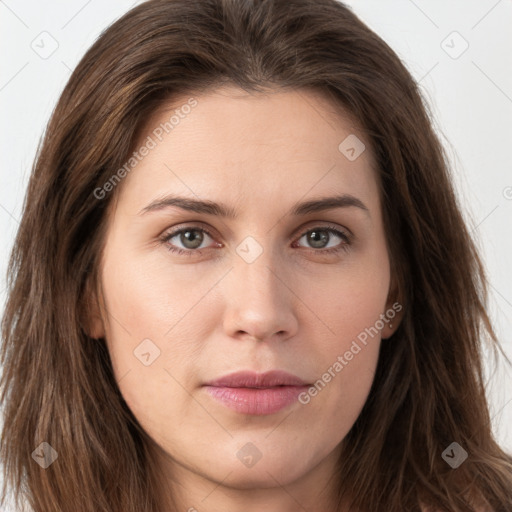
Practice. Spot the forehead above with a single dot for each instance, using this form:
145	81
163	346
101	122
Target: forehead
251	148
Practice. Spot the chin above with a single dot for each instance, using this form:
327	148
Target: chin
261	476
265	468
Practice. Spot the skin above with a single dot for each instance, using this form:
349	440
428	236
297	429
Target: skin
211	314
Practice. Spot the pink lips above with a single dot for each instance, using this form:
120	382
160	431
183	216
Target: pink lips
258	394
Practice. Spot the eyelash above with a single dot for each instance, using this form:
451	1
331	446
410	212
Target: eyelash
189	252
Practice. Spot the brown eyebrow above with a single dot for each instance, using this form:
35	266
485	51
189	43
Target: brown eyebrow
221	210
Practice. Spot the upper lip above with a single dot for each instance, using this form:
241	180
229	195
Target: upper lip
247	379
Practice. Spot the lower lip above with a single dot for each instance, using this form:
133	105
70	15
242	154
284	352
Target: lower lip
256	401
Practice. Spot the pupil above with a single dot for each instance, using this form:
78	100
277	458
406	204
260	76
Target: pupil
314	238
188	237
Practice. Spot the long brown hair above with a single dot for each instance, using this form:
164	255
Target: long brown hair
57	383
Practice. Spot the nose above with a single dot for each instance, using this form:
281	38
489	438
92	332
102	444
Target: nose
260	302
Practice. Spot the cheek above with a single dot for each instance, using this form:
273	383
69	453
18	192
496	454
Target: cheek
350	300
146	298
157	325
343	383
350	303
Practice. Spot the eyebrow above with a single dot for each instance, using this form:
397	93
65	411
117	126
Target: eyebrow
221	210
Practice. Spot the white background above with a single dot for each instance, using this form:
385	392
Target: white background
470	96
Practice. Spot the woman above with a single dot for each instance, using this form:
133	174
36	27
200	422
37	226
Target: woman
242	279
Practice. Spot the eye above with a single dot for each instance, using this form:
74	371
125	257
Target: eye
192	238
320	236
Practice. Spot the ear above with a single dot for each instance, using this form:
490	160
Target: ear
90	312
394	311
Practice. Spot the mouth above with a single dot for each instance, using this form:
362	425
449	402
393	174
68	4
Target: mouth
256	394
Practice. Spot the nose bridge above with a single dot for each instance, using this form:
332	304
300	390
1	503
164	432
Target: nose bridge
258	301
255	269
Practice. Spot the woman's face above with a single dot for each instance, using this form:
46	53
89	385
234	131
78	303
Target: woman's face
256	291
